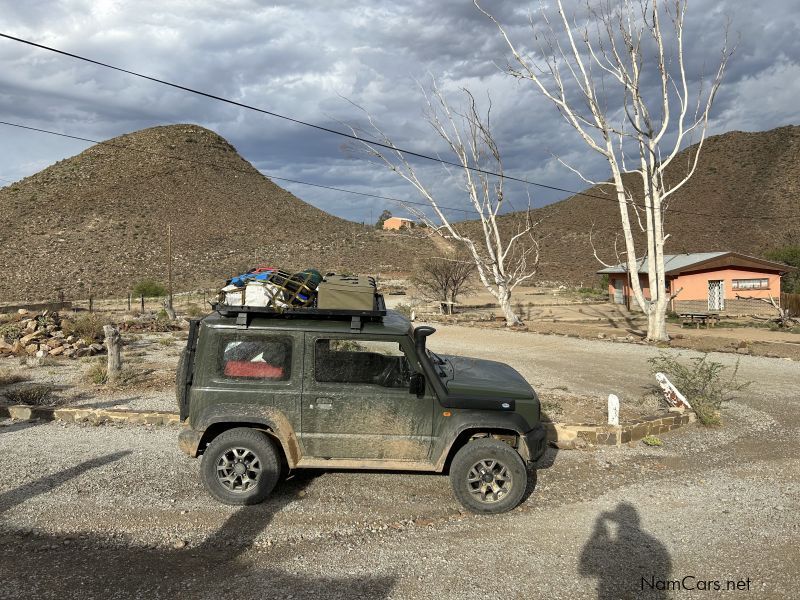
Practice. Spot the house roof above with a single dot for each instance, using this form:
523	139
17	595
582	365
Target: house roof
675	264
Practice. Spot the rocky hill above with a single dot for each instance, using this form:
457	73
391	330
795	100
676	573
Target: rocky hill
748	182
98	221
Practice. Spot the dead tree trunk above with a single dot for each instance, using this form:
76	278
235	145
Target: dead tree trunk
114	348
168	308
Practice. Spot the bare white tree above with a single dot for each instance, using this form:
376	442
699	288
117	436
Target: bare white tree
618	77
503	259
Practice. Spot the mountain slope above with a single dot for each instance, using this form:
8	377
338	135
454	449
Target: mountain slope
98	221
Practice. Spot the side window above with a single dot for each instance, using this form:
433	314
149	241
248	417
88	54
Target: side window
267	358
361	361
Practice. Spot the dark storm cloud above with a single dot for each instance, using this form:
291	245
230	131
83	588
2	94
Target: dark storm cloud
303	58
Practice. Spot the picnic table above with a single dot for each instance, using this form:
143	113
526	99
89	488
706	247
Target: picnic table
697	319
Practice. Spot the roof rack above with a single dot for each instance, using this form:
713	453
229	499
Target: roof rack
356	316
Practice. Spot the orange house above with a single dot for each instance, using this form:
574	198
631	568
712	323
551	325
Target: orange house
398	223
720	282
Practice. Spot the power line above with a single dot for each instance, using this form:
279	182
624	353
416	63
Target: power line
230	167
299	121
354	137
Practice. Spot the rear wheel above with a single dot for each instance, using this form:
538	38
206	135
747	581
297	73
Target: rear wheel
240	466
488	477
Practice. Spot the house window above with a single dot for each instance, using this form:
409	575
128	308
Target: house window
751	284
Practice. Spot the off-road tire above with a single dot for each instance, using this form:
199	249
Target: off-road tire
227	445
483	451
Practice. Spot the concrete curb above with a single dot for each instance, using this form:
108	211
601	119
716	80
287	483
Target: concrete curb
567	436
22	412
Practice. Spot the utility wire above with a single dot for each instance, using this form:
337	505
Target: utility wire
355	137
333	188
230	167
307	124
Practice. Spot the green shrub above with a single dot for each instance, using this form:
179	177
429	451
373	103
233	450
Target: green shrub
404	309
165	341
32	395
10	332
88	327
193	311
651	440
149	288
702	382
97	373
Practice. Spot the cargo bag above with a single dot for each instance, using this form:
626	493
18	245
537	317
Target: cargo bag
274	289
338	292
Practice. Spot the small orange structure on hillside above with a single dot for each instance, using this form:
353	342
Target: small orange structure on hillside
398	223
706	282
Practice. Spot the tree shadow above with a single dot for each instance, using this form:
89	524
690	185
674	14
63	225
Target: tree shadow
224	565
626	561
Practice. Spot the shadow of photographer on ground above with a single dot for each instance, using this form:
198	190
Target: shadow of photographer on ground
623	558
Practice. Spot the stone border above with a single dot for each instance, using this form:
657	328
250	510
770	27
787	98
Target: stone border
23	412
565	436
562	435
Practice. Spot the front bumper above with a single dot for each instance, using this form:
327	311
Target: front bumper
189	440
534	443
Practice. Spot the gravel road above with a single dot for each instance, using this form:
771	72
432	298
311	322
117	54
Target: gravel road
118	512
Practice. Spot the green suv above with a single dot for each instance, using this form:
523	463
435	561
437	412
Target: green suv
262	394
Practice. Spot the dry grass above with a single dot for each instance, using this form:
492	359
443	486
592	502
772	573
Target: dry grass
8	377
33	395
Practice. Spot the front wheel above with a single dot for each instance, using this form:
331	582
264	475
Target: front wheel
240	466
488	477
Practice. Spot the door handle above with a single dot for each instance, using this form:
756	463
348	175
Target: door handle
323	404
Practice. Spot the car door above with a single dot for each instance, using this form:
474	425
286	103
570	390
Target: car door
246	371
356	401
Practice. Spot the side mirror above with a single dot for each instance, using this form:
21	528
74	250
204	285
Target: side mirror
416	384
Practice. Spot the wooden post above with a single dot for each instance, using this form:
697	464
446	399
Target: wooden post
114	348
142	303
91	303
129	302
169	268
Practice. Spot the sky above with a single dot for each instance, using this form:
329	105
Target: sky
318	62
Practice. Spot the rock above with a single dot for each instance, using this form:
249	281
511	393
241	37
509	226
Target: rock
179	544
18	347
68	352
97	347
5	347
40	353
32	349
55	342
742	351
30	325
45	347
79	343
70	339
81	352
27	339
56	351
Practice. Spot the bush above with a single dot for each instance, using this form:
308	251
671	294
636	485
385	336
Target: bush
10	332
702	382
404	309
193	311
87	327
97	373
32	395
149	288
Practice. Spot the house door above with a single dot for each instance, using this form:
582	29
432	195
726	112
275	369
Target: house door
716	295
618	291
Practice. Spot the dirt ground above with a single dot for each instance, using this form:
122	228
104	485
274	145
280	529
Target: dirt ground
117	511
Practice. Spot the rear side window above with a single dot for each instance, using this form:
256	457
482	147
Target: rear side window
264	358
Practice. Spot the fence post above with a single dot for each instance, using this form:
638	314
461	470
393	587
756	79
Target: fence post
129	302
142	302
91	303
